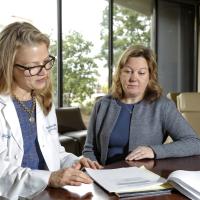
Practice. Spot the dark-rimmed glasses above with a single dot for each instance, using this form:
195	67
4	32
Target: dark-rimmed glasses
35	70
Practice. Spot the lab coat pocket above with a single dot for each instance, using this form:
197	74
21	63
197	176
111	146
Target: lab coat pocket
4	141
51	129
52	135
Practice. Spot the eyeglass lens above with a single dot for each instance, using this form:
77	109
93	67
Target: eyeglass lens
37	69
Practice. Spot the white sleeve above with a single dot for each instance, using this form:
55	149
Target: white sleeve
16	181
67	159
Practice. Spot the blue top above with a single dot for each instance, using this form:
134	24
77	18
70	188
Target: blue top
33	157
118	143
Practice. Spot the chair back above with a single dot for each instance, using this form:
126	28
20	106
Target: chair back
69	119
173	96
188	104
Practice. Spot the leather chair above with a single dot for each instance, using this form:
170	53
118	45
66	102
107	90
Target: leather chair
71	126
189	105
172	96
71	145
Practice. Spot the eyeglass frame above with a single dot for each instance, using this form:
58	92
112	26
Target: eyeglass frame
52	58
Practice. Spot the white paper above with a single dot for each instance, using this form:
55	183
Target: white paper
126	179
187	182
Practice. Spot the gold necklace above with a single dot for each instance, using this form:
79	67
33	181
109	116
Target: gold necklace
29	111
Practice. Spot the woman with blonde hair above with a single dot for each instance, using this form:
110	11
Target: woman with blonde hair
133	122
31	157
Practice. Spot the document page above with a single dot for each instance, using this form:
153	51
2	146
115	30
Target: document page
131	179
187	182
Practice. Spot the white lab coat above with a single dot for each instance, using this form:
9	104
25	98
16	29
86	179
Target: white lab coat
17	181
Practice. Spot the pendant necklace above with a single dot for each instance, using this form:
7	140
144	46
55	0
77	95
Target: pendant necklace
26	109
129	110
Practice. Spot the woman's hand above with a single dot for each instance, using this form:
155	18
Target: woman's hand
68	176
140	152
148	163
86	162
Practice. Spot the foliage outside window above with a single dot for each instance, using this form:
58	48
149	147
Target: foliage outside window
79	69
81	66
129	28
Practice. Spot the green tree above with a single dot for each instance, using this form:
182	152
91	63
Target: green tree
79	69
129	28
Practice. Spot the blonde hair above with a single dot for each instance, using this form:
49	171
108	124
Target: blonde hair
153	90
14	36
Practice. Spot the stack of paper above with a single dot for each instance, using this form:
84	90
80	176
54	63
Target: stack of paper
131	181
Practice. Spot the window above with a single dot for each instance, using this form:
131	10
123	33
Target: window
85	72
131	24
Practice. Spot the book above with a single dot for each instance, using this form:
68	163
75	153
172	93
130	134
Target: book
186	182
130	182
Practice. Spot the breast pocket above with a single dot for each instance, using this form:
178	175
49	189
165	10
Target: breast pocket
5	138
51	129
52	135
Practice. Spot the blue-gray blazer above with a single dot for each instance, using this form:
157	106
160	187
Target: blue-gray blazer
151	123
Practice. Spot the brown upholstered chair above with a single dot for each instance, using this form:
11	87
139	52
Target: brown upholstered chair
71	125
172	96
188	104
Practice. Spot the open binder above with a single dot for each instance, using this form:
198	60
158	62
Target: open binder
186	182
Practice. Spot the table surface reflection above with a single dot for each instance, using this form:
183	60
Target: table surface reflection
162	167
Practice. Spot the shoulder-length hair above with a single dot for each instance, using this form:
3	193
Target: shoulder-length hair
14	36
153	90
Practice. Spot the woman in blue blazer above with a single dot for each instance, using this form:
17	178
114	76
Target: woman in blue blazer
133	122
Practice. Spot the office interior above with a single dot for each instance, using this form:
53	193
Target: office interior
169	27
174	36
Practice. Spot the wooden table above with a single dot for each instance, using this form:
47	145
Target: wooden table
162	167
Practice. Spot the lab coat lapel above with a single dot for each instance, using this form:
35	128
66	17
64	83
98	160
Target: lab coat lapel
11	118
48	151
